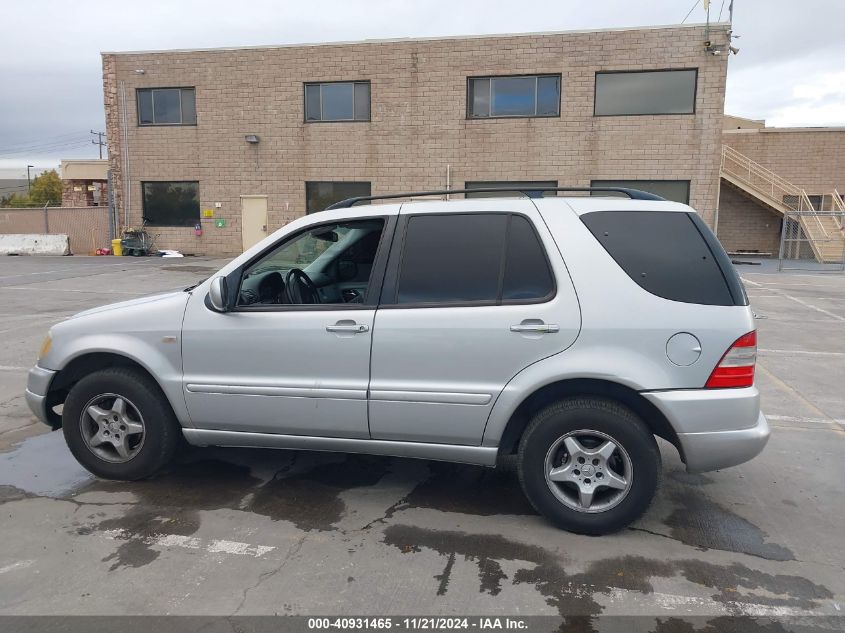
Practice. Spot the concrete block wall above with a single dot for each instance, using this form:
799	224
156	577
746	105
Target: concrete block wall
418	126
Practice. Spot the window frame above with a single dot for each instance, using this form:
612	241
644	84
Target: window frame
305	85
647	70
633	180
170	182
390	287
355	182
152	90
374	287
471	78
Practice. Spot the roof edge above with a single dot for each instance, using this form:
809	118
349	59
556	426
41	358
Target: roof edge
416	39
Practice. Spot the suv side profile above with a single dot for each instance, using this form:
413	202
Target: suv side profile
569	331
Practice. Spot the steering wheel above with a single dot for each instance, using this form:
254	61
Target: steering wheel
299	287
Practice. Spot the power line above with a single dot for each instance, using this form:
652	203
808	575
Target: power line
691	10
18	150
719	19
55	139
47	150
101	142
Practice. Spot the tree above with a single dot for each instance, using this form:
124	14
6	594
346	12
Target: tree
46	189
15	200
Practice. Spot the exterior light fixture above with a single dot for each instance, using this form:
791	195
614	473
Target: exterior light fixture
140	71
251	138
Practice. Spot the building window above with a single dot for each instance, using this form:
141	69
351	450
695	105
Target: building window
675	190
514	96
167	106
516	184
794	202
337	101
319	195
171	203
645	92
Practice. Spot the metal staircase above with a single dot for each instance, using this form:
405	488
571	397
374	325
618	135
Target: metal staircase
821	228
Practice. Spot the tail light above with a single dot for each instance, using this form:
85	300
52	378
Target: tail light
736	369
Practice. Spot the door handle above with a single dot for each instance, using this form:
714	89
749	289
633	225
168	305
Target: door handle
352	328
537	328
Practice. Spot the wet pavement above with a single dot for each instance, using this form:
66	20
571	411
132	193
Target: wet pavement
239	531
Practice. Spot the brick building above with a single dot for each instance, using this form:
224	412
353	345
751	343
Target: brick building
84	183
243	140
764	172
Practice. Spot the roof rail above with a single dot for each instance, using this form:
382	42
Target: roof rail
531	192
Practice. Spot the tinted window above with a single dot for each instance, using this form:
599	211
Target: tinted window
652	92
452	258
337	101
664	253
527	274
171	203
167	106
319	195
517	184
675	190
525	95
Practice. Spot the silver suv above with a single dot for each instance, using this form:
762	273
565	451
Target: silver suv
569	331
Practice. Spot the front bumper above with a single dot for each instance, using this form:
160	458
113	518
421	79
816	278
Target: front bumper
716	428
37	388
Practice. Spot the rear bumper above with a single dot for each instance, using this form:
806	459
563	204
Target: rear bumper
716	428
37	387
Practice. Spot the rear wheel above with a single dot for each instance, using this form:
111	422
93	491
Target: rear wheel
119	425
589	465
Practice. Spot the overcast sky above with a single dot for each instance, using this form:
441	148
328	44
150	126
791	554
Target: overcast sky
790	70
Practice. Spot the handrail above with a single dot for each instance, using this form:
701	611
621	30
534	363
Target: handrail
751	172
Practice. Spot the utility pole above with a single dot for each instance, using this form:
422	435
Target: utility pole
28	179
99	141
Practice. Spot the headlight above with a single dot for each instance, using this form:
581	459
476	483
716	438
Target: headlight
45	346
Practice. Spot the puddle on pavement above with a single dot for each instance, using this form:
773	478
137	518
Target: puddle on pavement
43	466
700	522
576	594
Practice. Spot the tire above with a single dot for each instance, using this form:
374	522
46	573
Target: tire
591	422
144	404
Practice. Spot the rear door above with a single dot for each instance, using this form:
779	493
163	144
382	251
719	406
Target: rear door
470	299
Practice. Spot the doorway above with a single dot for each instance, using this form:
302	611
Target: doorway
253	219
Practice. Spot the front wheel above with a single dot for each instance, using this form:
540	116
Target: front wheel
119	425
589	465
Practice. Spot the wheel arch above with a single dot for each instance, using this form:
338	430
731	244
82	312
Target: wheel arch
85	364
657	423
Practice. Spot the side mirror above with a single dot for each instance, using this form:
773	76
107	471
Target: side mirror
218	295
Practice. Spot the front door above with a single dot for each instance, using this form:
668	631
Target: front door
253	219
293	356
470	301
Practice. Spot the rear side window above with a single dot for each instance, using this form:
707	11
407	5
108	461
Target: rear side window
668	255
484	258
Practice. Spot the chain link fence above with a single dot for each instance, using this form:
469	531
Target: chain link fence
87	228
812	240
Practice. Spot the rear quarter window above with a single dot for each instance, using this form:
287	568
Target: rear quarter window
669	254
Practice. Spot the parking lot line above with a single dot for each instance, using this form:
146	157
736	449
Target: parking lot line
801	301
799	351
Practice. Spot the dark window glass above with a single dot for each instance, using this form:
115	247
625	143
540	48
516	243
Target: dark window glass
664	253
452	258
319	195
521	96
171	203
527	274
167	106
652	92
675	190
484	184
337	101
795	202
145	107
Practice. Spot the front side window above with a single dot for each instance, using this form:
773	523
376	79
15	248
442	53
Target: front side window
171	203
321	194
485	258
645	92
329	264
675	190
167	106
516	184
517	96
337	101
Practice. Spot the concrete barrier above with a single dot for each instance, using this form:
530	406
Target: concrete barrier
34	244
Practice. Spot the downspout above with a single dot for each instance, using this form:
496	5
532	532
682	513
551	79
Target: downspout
448	179
127	189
